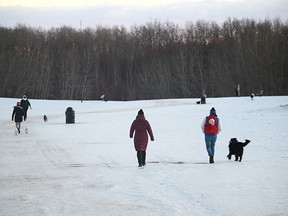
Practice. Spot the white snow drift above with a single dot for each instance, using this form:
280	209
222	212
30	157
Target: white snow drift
90	167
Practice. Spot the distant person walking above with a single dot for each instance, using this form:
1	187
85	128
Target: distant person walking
25	104
211	127
104	97
141	126
17	116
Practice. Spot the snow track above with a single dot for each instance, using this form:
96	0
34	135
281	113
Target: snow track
90	167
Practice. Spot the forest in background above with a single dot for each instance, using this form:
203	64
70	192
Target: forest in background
153	61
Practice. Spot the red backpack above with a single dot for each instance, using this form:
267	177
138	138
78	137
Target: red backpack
211	125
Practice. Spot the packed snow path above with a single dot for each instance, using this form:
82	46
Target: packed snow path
90	167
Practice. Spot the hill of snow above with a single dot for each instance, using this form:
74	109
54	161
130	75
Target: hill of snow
90	167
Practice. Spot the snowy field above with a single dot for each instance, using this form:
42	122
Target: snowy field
90	167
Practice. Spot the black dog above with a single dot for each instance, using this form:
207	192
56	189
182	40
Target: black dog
236	148
45	118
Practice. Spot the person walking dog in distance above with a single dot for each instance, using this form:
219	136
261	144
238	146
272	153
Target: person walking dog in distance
141	126
211	127
17	116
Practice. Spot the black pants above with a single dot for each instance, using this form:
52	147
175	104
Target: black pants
25	113
18	125
141	155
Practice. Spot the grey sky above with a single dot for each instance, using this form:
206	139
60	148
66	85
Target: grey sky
178	12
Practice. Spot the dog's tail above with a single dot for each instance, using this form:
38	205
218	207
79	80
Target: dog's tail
246	142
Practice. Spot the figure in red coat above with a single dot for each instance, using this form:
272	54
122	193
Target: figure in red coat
141	126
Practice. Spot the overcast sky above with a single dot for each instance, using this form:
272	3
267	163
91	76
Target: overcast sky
90	13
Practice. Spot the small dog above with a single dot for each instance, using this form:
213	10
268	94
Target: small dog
45	118
236	148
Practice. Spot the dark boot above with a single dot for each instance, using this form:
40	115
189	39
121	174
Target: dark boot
143	158
139	157
211	158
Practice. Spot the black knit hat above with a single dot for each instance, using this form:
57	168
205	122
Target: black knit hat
140	112
213	111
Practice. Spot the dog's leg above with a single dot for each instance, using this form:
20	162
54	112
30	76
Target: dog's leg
241	154
236	157
230	154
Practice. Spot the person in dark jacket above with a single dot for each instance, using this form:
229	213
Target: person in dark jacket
25	104
211	127
17	115
141	126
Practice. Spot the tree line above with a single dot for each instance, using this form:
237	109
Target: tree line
151	61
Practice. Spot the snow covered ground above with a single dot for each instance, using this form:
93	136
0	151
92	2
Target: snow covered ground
90	167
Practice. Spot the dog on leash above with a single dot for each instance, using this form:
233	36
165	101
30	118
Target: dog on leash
237	148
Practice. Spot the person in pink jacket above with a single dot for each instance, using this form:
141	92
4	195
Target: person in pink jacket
141	126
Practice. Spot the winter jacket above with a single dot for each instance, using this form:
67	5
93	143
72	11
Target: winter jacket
25	104
141	126
17	114
204	123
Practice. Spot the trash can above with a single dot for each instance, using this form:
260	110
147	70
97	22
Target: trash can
203	100
70	115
